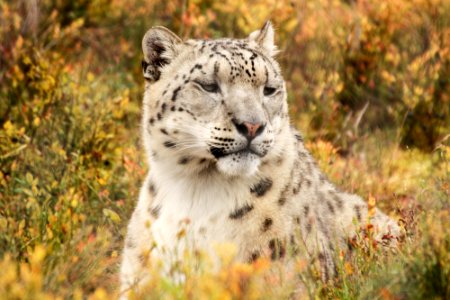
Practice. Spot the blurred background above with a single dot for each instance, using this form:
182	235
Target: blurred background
368	82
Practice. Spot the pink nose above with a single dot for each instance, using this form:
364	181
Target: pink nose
252	129
247	129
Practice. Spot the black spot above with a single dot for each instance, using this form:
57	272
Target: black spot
254	256
321	256
164	131
283	195
277	249
175	93
309	226
241	212
216	67
151	121
152	189
143	259
306	210
302	155
267	224
294	246
299	137
338	200
324	265
169	144
262	187
358	212
163	107
197	66
159	116
184	160
217	152
330	246
330	207
154	211
144	65
323	227
129	243
202	160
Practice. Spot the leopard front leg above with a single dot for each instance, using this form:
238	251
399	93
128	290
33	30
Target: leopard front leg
138	243
356	218
317	240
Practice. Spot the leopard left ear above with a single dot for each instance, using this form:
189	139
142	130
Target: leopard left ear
159	46
265	38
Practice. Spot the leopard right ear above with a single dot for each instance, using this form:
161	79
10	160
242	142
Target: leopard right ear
265	38
160	48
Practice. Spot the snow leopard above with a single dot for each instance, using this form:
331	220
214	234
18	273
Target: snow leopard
226	166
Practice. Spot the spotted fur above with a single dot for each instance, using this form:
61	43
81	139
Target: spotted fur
225	164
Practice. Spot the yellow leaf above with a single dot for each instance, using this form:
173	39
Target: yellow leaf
99	294
19	42
9	127
38	255
101	181
372	202
90	77
111	215
27	60
29	177
36	121
348	268
290	25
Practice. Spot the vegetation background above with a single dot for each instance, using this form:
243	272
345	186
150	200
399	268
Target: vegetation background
369	86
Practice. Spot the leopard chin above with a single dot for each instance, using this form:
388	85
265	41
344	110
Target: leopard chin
239	164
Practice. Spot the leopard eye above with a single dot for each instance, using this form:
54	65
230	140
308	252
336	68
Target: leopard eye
209	87
269	91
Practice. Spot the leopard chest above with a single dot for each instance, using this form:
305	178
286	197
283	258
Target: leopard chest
245	214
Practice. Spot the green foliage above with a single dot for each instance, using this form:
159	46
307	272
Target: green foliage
71	161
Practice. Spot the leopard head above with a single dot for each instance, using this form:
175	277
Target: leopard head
221	102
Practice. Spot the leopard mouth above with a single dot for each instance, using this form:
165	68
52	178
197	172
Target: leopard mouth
219	153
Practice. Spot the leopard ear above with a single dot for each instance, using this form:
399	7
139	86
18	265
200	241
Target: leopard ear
160	48
265	38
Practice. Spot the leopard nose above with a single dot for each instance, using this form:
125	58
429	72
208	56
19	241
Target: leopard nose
249	130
